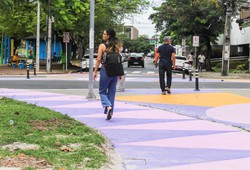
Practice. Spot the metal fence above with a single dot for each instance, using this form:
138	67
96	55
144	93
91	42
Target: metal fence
238	58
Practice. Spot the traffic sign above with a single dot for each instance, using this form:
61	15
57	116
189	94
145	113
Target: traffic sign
66	37
153	41
183	42
196	41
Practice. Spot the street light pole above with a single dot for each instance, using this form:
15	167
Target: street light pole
38	38
91	94
227	35
49	45
48	63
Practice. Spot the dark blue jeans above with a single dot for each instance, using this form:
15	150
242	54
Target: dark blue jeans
107	88
165	68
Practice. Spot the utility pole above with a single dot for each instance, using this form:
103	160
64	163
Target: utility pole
91	94
49	45
37	62
227	34
48	64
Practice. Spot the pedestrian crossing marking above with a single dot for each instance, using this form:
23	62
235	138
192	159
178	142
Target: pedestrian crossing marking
136	72
141	72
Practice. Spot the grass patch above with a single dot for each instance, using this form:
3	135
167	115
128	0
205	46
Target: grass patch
62	141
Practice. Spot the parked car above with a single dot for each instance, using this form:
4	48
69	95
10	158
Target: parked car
85	62
181	61
124	57
136	59
151	55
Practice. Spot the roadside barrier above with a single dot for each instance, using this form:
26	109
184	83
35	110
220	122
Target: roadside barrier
28	71
183	71
34	68
197	80
190	73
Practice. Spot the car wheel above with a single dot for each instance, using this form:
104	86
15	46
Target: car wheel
142	66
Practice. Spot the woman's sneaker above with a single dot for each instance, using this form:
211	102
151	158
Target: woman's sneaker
109	113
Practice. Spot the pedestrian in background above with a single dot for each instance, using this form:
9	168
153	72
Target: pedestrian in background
14	58
190	59
120	84
107	85
201	59
121	79
166	54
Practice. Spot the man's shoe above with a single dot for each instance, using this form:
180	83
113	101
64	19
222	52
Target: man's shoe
163	93
120	90
168	90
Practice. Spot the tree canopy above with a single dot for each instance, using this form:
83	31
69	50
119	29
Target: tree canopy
186	18
18	17
139	45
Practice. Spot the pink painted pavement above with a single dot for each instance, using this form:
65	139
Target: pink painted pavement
154	139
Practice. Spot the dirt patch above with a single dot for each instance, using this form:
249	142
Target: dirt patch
22	146
22	161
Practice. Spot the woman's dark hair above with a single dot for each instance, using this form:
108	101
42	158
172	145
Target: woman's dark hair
113	43
111	32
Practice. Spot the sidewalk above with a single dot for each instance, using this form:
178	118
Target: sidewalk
7	70
151	131
216	75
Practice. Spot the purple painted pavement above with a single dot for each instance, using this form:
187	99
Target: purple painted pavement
150	138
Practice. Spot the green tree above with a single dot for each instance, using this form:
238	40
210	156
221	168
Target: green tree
186	18
69	15
139	45
18	20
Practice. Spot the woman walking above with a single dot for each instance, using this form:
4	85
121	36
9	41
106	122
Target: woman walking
107	84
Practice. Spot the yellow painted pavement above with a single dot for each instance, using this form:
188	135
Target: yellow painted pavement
194	99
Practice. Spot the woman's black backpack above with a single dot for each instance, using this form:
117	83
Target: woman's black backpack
113	64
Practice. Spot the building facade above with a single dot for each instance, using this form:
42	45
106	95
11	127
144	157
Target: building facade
131	32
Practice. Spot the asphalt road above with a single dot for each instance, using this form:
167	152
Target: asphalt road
137	78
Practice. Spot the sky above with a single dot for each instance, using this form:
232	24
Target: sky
141	21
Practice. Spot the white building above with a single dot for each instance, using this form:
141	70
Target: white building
239	37
131	32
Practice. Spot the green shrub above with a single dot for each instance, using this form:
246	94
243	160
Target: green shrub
218	65
235	64
241	67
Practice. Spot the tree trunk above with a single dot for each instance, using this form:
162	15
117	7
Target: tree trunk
208	56
68	55
80	49
74	49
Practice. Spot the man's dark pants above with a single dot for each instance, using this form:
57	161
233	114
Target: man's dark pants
165	68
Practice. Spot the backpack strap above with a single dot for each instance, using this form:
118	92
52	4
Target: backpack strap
103	59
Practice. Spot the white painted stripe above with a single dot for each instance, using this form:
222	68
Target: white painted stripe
136	72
